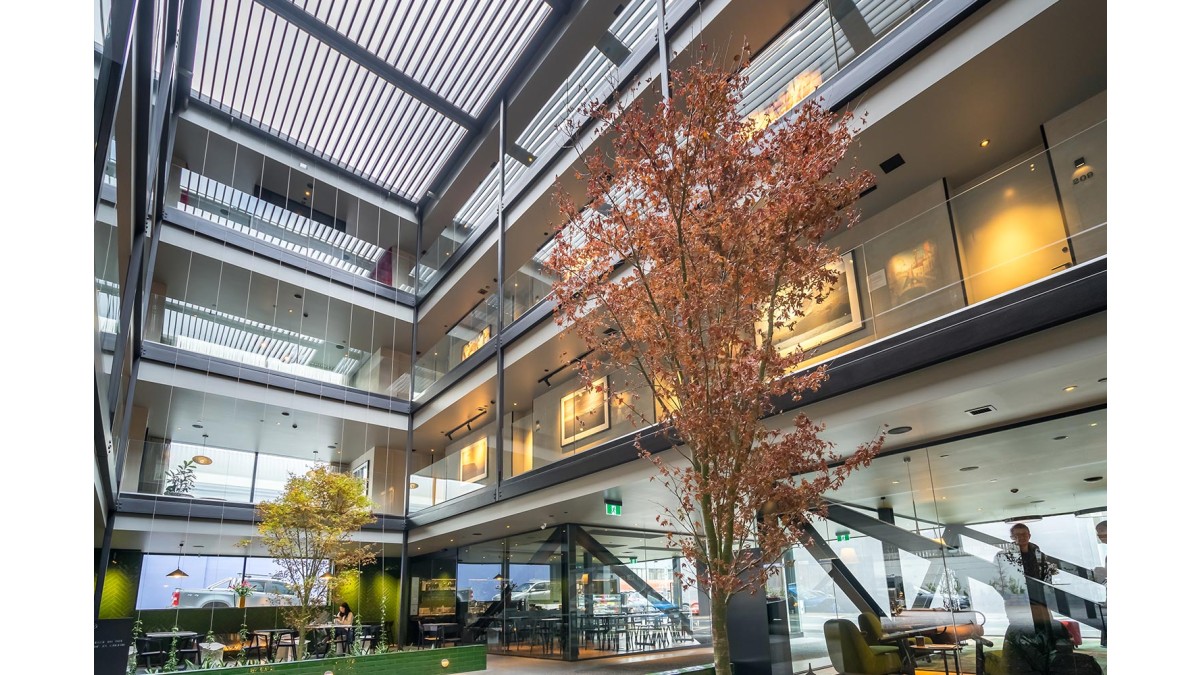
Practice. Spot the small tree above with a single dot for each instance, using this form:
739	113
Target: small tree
307	529
718	220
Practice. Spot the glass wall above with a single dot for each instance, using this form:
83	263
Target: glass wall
563	592
931	541
220	310
268	201
454	449
472	332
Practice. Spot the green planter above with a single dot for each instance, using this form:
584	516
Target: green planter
421	662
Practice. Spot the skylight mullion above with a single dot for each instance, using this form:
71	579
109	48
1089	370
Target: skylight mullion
255	72
391	54
239	46
346	113
419	28
322	87
448	61
434	158
378	113
377	146
220	52
383	35
413	121
291	90
342	108
411	171
367	107
430	44
307	97
272	52
485	73
205	39
381	162
468	59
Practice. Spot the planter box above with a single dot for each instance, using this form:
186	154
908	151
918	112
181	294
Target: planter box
462	660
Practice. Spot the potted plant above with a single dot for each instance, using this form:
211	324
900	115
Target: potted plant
242	590
181	479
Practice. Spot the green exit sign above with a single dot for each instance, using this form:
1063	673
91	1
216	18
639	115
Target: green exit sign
612	508
843	535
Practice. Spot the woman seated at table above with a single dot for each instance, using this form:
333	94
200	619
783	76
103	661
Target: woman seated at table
344	617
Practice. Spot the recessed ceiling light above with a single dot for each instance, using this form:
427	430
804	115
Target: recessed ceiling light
197	426
1037	501
413	486
943	456
896	431
285	413
1061	438
1093	479
985	142
968	468
1070	388
1093	424
895	482
303	165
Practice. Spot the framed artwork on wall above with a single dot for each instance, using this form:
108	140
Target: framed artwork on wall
472	461
584	412
840	313
363	473
479	341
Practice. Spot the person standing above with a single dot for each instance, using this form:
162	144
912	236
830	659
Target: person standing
1101	574
1029	642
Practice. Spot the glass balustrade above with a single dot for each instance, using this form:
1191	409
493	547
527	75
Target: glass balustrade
465	338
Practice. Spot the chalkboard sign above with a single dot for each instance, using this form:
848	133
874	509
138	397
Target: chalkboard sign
111	649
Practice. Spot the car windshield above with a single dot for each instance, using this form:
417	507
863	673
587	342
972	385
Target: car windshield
225	583
524	587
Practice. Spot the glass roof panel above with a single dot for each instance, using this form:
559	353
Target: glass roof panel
461	50
254	65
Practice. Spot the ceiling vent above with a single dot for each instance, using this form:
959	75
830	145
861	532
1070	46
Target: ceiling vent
892	163
868	191
981	410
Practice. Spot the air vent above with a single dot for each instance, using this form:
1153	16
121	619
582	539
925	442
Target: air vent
868	191
892	163
981	410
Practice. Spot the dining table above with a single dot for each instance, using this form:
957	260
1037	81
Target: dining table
273	636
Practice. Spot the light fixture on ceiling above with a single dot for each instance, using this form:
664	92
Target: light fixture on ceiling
203	459
1070	388
1093	479
968	468
1023	519
1079	162
896	431
413	486
178	573
985	142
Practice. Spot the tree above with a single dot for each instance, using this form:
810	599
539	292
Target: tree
307	530
714	222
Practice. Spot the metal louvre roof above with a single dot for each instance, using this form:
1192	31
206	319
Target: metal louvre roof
385	90
460	49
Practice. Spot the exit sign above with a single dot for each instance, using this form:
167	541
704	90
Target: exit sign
843	535
612	508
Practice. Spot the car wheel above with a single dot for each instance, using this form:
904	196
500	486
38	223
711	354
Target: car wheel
214	605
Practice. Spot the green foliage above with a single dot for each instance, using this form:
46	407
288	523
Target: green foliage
181	479
307	529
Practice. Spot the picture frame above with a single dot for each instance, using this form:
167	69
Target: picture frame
473	461
839	314
480	340
363	472
584	412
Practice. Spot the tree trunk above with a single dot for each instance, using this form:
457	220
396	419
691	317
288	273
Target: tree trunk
720	636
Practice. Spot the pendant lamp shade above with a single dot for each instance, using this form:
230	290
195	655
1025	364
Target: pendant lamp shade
178	573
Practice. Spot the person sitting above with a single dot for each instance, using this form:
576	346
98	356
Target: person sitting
344	636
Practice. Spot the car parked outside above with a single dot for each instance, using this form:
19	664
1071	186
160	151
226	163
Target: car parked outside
267	592
812	599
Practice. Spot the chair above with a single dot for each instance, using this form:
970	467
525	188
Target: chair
150	652
431	636
872	630
287	646
187	649
258	646
370	638
850	653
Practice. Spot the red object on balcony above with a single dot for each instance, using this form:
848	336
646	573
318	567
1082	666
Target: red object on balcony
383	268
175	598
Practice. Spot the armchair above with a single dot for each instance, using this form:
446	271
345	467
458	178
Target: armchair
850	653
872	630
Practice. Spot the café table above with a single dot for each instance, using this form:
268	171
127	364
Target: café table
274	635
434	633
185	644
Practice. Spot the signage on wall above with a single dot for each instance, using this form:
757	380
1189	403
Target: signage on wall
612	508
843	535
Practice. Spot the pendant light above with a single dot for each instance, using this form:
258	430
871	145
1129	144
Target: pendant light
203	459
178	573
